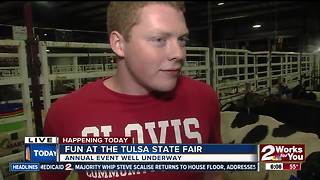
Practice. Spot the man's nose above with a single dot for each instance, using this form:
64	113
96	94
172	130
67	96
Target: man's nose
176	52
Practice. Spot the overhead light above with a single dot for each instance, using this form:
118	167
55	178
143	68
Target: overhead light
316	50
257	26
220	3
43	3
48	50
45	34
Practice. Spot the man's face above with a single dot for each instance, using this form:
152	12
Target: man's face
156	50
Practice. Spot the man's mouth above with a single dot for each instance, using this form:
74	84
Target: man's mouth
173	71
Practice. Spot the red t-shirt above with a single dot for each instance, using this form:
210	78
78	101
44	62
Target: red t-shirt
188	114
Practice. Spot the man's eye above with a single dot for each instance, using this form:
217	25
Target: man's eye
159	41
183	41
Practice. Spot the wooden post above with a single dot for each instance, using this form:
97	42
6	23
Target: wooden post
34	65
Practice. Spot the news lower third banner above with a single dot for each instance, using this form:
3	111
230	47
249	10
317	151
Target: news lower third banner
48	154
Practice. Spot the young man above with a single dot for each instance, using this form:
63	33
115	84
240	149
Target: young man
147	98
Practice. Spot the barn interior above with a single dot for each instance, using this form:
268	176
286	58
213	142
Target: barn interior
261	57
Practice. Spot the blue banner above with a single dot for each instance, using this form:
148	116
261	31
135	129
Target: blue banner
157	149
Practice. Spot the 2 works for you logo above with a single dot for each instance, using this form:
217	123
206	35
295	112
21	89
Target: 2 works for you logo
282	152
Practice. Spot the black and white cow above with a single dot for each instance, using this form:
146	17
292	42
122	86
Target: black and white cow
240	127
297	92
279	121
300	92
297	115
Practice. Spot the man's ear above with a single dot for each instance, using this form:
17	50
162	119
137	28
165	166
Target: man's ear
117	43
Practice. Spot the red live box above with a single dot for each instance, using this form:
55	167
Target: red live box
282	152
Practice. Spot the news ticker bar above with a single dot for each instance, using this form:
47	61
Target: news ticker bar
283	166
144	166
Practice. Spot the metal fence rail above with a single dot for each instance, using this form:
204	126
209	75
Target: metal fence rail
67	66
236	71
